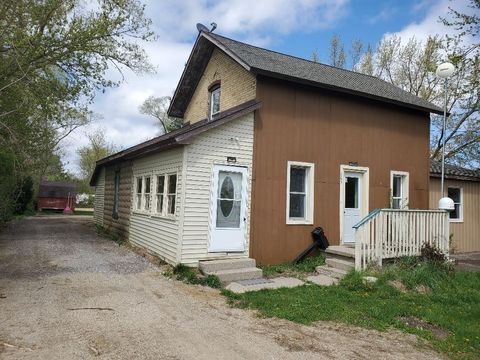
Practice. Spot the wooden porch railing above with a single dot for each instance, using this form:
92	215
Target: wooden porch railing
388	233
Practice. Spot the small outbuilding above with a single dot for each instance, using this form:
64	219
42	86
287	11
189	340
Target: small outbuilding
55	195
463	187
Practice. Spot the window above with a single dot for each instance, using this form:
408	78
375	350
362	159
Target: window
172	193
160	193
165	194
214	100
399	190
300	193
146	194
116	194
455	194
138	194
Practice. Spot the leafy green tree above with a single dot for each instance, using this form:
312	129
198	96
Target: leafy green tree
54	57
97	148
157	107
338	57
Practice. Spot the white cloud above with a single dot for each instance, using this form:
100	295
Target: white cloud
430	24
253	21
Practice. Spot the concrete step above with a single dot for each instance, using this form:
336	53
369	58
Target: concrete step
323	280
330	271
230	275
340	251
227	264
346	265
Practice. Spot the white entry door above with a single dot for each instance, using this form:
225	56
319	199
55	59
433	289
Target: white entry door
229	210
352	204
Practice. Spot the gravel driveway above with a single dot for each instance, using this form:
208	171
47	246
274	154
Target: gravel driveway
66	293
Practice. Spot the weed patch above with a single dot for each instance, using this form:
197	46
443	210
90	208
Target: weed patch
308	265
192	276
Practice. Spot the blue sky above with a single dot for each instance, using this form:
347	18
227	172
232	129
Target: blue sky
295	27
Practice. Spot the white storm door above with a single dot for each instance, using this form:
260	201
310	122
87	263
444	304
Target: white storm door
352	204
229	207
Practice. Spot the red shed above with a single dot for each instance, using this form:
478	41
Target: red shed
56	195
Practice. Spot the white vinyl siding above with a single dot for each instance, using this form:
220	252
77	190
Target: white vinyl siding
99	198
234	139
150	230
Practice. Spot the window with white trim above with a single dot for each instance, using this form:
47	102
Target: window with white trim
160	193
146	193
138	193
172	193
300	192
165	194
214	100
399	189
456	194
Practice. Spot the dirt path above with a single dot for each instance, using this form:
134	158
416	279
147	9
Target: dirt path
65	293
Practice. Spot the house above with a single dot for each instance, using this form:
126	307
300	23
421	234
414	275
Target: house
272	147
463	187
56	195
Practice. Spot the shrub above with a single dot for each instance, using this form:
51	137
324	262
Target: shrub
23	195
432	253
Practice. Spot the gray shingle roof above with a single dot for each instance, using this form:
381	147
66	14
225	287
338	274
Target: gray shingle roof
296	69
454	172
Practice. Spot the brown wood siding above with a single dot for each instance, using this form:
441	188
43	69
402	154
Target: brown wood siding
466	234
298	123
120	225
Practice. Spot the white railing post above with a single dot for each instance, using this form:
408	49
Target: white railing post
358	254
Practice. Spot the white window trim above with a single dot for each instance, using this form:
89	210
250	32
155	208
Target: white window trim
309	196
136	193
164	213
460	218
405	188
144	194
155	212
216	89
152	212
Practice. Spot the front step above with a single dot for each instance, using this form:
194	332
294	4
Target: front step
230	275
340	251
341	264
227	264
230	270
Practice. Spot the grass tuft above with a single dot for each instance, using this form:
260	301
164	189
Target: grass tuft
308	265
192	276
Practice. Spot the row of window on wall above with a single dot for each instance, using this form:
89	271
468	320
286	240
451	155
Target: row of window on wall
300	193
156	194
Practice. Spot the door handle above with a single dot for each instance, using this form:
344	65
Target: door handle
244	219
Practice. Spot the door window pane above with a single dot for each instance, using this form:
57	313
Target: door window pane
229	199
397	186
351	192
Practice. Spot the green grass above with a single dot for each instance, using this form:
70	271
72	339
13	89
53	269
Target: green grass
308	265
452	306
